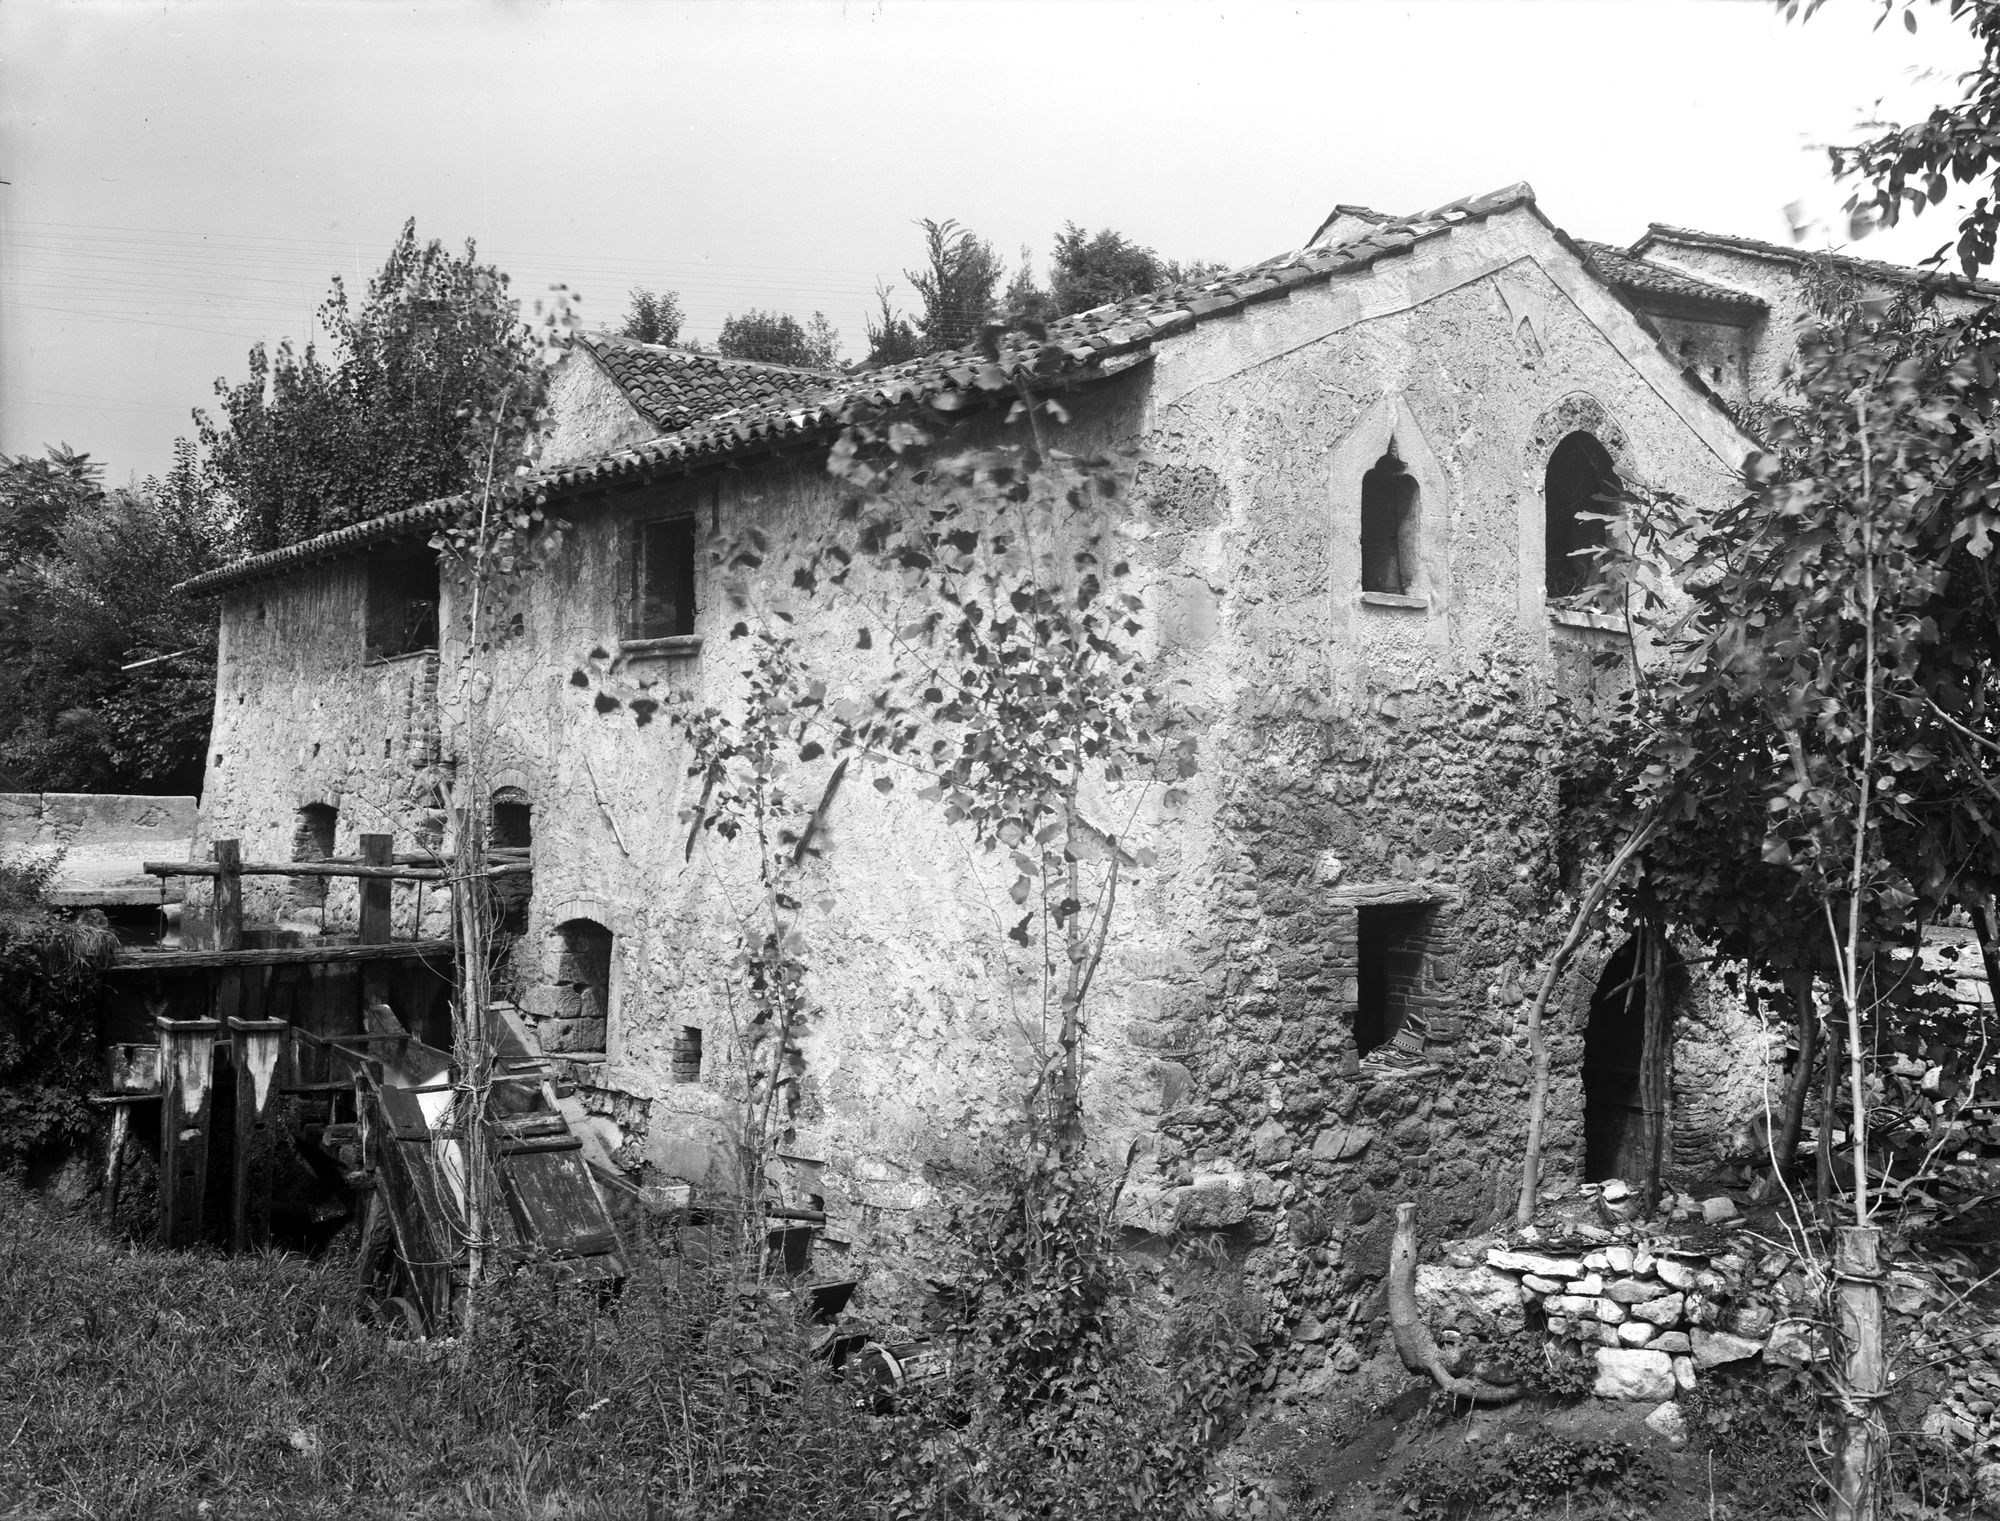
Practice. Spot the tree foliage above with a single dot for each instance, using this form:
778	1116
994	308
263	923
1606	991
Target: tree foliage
654	317
957	282
49	969
1907	169
390	416
892	337
86	579
779	338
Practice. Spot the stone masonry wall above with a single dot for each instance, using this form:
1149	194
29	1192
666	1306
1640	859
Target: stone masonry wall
1354	753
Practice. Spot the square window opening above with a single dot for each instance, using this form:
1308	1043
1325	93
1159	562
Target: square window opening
663	576
1393	942
687	1055
402	607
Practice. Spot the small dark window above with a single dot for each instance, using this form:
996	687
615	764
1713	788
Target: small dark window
663	594
1388	527
1580	481
513	831
312	840
687	1055
1392	976
402	607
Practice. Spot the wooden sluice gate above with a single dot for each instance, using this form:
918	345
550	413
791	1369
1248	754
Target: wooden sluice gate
242	1066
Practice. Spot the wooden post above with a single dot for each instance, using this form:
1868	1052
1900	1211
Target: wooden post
114	1160
229	895
257	1046
1857	1271
187	1067
375	851
1656	1065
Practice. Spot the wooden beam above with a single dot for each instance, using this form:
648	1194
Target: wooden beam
322	869
229	895
375	902
187	1070
136	959
258	1049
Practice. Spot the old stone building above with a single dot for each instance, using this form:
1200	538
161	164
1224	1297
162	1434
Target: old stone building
1366	464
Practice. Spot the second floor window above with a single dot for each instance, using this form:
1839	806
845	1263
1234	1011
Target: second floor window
663	574
402	607
1389	527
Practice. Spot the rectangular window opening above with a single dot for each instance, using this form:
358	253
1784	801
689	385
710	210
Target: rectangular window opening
687	1055
663	590
1394	982
402	607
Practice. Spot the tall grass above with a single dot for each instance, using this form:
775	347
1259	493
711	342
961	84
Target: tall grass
135	1383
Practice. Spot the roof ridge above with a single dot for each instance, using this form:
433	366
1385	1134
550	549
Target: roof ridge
685	355
1908	274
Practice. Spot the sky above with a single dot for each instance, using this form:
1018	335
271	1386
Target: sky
184	178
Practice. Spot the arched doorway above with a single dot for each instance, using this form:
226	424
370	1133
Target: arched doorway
1617	1131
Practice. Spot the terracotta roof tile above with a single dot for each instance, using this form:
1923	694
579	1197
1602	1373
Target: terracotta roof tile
672	387
1642	279
1078	347
1867	269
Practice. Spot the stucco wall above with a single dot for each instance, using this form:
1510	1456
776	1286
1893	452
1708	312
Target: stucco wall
1352	752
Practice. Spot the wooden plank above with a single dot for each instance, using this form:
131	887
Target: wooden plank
375	900
383	872
114	1159
187	1070
140	960
553	1204
229	895
257	1047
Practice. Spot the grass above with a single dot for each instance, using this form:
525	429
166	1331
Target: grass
147	1384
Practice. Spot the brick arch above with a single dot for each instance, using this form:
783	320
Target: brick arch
520	781
613	916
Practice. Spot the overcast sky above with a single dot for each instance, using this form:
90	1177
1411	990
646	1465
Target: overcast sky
185	177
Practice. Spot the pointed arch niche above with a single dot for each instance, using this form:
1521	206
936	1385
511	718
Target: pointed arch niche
1389	509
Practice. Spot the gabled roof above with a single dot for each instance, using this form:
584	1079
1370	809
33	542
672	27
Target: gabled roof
1659	285
1087	346
671	388
1864	269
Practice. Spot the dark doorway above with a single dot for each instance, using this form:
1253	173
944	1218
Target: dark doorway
1617	1132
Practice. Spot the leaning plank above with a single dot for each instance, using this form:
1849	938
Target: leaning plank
293	955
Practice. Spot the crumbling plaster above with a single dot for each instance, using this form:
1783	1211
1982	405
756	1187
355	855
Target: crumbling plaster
1347	749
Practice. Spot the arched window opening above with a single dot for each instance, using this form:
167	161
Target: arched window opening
312	840
1580	481
1389	527
510	839
583	988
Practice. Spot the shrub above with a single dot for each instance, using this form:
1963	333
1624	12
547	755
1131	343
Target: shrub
49	969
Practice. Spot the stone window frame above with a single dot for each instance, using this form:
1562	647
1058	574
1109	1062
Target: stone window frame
1576	412
1389	427
640	638
1348	900
620	921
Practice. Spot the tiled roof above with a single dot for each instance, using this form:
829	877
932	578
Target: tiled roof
1643	280
671	387
1077	348
1865	269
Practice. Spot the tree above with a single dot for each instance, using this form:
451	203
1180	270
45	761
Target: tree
777	338
307	444
957	283
1087	272
654	317
86	578
894	338
1912	168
